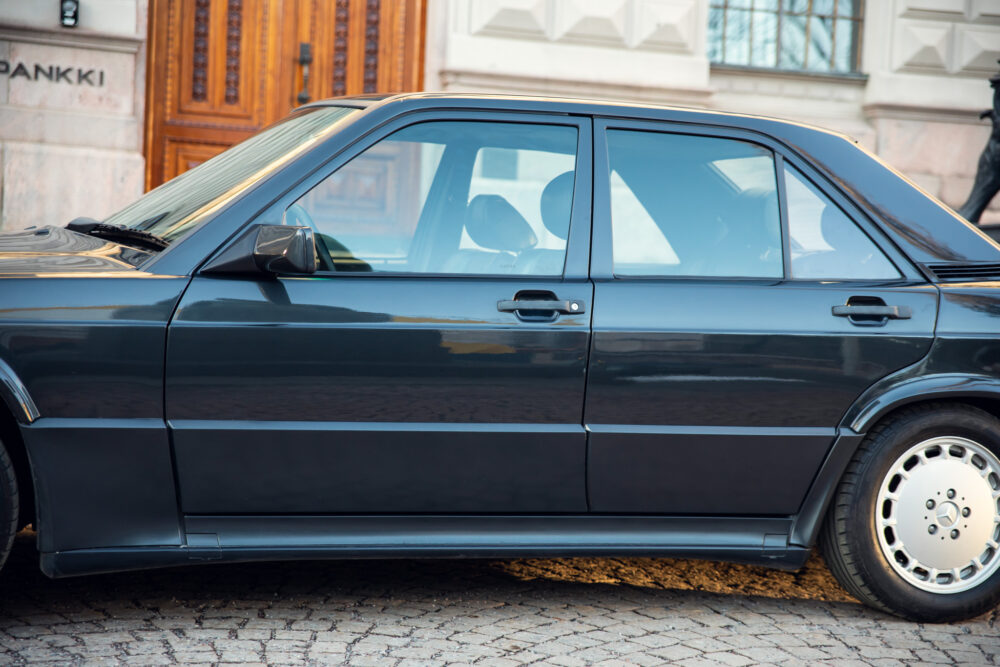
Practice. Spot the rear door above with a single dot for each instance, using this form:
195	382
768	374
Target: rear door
436	361
740	307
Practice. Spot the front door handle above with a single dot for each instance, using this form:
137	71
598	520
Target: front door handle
567	307
888	312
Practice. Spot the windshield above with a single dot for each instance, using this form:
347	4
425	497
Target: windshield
176	207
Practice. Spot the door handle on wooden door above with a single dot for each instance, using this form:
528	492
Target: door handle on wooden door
305	59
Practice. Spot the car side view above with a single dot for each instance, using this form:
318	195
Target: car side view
484	326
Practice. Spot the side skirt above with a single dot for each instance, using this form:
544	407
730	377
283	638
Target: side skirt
262	538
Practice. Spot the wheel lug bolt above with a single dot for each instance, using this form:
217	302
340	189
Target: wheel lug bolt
966	511
932	529
954	534
930	504
951	493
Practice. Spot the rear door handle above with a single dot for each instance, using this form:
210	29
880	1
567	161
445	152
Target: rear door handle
567	307
889	312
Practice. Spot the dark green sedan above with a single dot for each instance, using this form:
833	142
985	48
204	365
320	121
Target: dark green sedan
473	326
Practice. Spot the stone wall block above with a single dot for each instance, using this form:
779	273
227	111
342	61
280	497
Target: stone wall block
984	10
75	79
623	49
525	19
665	24
922	45
596	22
978	49
942	149
51	185
113	17
955	190
940	8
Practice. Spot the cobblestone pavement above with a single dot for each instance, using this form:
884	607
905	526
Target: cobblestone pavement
412	612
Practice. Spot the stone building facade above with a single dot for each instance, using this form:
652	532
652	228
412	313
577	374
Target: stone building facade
908	79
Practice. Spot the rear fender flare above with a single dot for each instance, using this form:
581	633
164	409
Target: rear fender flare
869	409
872	406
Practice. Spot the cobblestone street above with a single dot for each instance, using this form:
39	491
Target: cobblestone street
411	612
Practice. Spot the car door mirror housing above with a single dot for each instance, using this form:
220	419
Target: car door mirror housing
268	249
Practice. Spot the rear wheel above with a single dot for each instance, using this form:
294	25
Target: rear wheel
9	507
914	528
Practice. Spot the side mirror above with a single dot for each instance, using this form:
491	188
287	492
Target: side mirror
270	249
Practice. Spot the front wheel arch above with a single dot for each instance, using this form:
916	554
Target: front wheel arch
10	436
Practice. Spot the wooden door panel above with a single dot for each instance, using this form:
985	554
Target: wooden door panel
214	74
219	70
184	155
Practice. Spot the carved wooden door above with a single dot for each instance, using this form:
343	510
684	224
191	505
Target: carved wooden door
219	70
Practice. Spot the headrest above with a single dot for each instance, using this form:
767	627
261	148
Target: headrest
557	201
760	208
838	231
493	223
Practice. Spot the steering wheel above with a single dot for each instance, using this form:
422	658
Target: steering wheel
297	215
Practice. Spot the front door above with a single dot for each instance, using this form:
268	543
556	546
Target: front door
738	312
436	361
219	70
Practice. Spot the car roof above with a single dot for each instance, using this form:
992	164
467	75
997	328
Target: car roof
571	105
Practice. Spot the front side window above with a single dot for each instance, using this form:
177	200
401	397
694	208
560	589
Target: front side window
684	205
825	243
448	197
813	35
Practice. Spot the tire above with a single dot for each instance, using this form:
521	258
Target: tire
9	506
916	500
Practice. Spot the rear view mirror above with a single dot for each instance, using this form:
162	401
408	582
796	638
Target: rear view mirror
270	249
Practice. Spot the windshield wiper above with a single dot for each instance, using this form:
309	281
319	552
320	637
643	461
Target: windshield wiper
135	237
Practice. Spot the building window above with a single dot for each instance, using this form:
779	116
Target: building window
812	35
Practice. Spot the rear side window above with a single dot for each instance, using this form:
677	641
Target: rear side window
684	205
825	243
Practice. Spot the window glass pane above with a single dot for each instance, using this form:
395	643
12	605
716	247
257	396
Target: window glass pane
822	7
793	42
847	7
451	198
765	40
715	40
737	36
843	56
692	206
820	44
825	243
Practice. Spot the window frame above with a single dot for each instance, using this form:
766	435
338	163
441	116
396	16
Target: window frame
577	259
602	255
857	20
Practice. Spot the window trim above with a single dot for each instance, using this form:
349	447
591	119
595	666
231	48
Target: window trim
602	254
577	243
